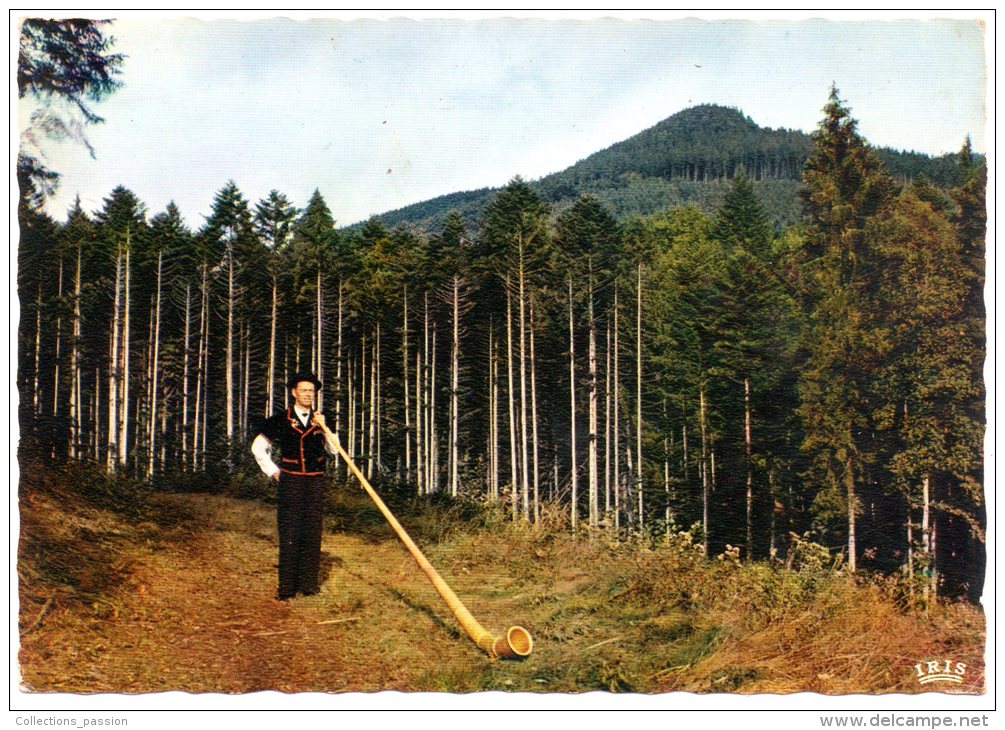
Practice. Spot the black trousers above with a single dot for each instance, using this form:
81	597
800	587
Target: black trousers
301	500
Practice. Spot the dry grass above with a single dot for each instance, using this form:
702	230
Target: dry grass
851	638
174	591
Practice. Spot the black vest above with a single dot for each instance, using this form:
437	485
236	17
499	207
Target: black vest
302	448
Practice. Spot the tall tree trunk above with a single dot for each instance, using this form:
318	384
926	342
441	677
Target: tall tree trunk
198	440
704	470
36	406
553	486
533	412
96	415
514	479
371	450
156	371
404	380
934	579
773	548
164	431
230	349
910	547
607	422
197	420
433	441
455	347
684	461
142	442
638	398
616	395
141	422
319	365
427	440
361	407
594	476
59	335
351	405
850	484
629	476
711	458
204	372
667	447
124	379
574	511
76	388
113	370
246	400
184	377
493	413
928	535
489	440
270	404
748	458
338	362
420	454
525	480
239	426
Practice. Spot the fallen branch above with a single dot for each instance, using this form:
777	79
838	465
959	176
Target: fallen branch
41	615
338	620
601	643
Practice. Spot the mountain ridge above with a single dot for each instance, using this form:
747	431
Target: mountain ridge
687	158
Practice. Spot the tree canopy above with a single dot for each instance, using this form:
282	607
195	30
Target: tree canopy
62	66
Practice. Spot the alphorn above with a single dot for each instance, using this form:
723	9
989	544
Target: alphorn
516	643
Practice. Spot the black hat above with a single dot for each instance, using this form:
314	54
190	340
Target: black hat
303	377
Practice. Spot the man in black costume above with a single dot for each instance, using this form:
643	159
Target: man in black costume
300	476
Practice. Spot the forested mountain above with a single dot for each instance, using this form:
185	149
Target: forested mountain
686	159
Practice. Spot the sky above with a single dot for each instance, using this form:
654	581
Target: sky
378	113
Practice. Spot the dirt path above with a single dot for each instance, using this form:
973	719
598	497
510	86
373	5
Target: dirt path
198	614
181	597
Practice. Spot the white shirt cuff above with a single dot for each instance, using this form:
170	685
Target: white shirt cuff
261	447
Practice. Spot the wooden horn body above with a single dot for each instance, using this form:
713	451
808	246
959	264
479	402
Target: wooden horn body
516	643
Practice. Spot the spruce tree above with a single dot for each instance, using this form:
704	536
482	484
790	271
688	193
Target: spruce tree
686	265
314	242
589	236
273	220
923	391
62	65
753	335
741	222
515	237
230	233
845	186
122	227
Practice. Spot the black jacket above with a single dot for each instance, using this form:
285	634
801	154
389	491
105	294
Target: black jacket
302	449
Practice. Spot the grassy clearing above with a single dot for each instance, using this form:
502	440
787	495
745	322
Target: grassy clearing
126	590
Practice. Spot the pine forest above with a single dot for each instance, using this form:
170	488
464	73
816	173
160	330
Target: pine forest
679	371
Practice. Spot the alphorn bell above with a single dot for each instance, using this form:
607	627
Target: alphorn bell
516	643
